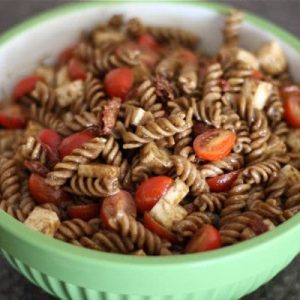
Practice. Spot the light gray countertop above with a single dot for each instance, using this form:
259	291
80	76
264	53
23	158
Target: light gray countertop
286	285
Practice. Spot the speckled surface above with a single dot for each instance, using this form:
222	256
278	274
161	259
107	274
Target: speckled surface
286	285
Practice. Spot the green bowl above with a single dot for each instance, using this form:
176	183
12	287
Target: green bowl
70	272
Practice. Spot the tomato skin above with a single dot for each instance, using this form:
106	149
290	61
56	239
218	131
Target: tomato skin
186	56
74	141
44	193
36	167
24	86
11	117
222	183
146	40
116	205
292	110
118	82
199	128
84	212
158	229
205	239
51	141
150	191
257	75
66	55
289	90
76	69
214	144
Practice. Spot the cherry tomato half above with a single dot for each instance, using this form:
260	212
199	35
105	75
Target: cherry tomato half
44	193
289	90
205	239
84	212
160	230
11	117
222	183
214	144
118	82
292	109
66	55
146	40
74	141
186	56
76	69
150	191
116	205
25	86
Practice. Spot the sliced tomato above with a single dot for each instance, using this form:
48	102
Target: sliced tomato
205	239
50	140
66	55
74	141
44	193
11	117
258	226
186	56
25	86
160	230
84	212
257	75
150	191
214	144
116	205
289	90
292	110
76	69
146	40
118	82
222	183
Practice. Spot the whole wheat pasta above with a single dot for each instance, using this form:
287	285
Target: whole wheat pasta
153	143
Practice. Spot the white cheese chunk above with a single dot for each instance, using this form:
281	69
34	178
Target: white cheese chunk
176	192
271	58
43	220
70	93
167	214
47	73
291	173
246	57
257	91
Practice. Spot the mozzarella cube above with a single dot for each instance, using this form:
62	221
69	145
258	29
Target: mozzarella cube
291	173
47	73
257	91
271	58
176	192
70	93
167	214
246	57
43	220
62	76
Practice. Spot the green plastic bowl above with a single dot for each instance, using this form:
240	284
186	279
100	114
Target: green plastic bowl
70	272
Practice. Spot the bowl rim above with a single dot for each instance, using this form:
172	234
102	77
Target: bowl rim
39	241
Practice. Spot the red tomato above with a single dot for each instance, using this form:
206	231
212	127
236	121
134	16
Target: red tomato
50	140
288	90
11	117
214	144
160	230
76	69
257	75
116	205
25	86
149	57
186	56
66	55
84	212
222	183
74	141
292	110
118	82
150	191
44	193
206	238
146	40
224	85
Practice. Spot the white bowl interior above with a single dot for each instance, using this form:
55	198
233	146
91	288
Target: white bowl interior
45	40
